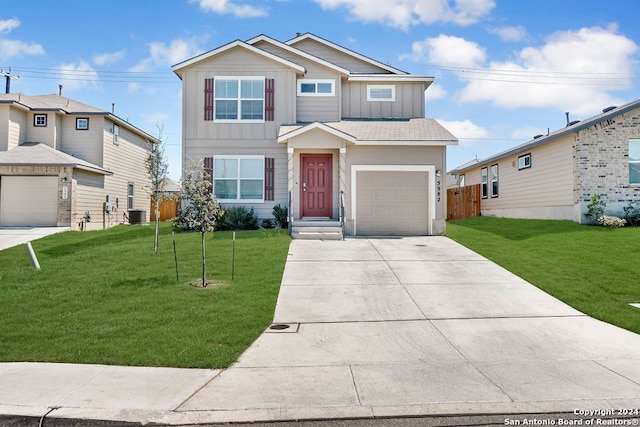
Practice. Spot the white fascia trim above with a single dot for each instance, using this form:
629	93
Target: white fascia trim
237	43
298	52
389	77
315	125
431	175
412	143
346	51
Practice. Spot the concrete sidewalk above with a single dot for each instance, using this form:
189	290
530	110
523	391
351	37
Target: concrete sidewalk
14	236
377	328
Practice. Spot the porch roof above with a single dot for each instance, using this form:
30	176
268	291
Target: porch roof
40	154
420	131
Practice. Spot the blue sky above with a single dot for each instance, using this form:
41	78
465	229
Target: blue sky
505	70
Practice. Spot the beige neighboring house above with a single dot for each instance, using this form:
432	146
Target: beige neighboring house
63	162
319	128
553	176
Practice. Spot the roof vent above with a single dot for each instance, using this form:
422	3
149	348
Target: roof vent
538	136
606	110
573	123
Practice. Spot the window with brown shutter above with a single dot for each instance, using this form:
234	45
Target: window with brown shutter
269	172
208	99
269	100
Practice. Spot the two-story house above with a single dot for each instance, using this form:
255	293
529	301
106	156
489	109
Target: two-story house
65	163
308	124
553	176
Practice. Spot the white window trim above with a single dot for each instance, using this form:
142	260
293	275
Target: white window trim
632	162
131	197
316	81
35	120
496	180
524	165
484	183
78	121
238	158
239	99
393	93
116	134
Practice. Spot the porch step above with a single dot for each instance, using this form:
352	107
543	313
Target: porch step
316	230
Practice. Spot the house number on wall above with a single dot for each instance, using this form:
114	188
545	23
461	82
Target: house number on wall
65	192
438	189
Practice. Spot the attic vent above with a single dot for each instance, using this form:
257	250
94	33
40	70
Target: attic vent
538	136
573	123
606	110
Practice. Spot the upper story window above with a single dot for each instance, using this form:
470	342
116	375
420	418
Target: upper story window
461	182
239	99
40	120
116	134
524	162
494	180
634	161
484	189
381	93
315	87
82	123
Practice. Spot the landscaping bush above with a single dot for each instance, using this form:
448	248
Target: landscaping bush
632	215
238	218
611	221
595	209
267	223
281	215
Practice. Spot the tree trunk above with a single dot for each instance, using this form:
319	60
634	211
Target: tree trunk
155	242
204	264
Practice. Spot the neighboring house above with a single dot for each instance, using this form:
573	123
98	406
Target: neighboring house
553	176
315	126
62	162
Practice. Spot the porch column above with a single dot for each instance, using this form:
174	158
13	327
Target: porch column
291	180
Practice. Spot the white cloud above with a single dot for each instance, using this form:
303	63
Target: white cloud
435	91
447	51
405	13
77	76
108	58
224	7
574	71
464	129
6	26
509	34
163	54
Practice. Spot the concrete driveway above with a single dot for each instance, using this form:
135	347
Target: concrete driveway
14	236
377	328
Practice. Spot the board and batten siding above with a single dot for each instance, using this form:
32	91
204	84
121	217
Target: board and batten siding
45	134
4	127
409	101
543	191
334	56
84	144
18	121
320	108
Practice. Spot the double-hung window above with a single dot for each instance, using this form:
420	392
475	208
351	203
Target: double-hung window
239	99
130	200
308	87
484	189
634	161
238	178
494	180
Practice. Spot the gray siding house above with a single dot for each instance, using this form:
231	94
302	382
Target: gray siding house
61	161
319	128
553	176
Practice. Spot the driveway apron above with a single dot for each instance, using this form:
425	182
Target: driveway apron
420	326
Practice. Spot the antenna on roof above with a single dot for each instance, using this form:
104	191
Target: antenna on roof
8	76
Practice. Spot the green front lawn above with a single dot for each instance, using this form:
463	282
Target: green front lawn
594	269
104	297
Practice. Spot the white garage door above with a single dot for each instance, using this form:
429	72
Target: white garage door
28	201
392	203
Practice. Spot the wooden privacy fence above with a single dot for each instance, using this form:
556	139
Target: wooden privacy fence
168	209
463	202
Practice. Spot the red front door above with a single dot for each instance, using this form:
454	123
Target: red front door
316	185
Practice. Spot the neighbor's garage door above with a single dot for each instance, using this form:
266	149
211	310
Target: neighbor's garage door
392	203
28	201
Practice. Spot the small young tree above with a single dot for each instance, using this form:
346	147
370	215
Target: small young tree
157	168
201	210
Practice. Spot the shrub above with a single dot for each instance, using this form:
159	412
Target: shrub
238	218
267	223
611	221
595	209
281	215
632	215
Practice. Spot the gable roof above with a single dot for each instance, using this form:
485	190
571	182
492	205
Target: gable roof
177	68
61	104
378	132
344	50
573	127
40	154
298	52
